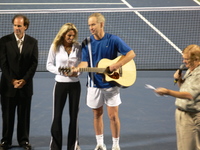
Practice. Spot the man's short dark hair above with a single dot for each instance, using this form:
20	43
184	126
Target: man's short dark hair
26	20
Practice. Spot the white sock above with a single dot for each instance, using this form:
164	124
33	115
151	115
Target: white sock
115	141
100	140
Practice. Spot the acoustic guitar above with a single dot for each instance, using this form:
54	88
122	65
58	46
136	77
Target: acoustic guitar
125	76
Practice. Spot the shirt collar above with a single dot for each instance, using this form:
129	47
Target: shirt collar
18	38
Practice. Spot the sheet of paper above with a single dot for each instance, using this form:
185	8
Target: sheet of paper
148	86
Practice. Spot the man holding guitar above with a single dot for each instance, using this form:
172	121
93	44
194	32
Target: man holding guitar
98	46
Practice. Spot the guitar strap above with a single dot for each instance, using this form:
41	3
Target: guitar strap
90	80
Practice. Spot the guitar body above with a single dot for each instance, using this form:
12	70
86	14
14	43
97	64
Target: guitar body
125	76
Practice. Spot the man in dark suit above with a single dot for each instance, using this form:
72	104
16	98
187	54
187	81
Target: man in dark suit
18	61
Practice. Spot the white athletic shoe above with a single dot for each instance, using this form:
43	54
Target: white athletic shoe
78	148
100	147
116	147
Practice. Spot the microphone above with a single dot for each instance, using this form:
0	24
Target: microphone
179	72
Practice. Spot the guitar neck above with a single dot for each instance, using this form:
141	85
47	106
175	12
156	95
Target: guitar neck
94	69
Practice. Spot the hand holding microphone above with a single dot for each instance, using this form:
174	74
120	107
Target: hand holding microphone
177	75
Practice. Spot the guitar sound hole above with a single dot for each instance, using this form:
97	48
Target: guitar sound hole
114	75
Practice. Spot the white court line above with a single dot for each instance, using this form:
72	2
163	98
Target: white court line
154	28
197	2
61	3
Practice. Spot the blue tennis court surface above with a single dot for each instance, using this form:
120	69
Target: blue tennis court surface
147	121
78	4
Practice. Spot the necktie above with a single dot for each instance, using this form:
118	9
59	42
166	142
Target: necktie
20	43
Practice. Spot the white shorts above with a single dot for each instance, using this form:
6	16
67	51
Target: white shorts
96	97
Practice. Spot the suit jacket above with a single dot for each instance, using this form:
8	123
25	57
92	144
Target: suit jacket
16	65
